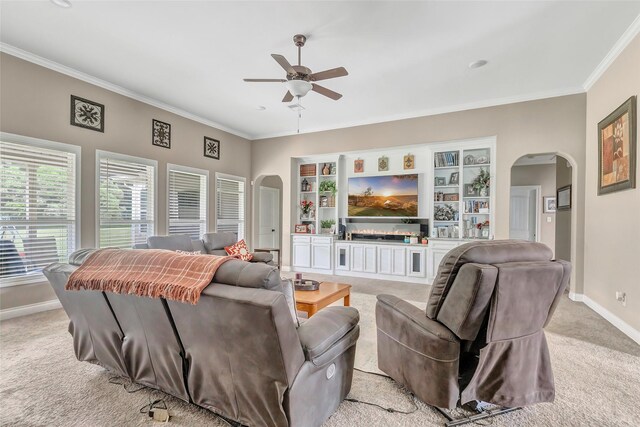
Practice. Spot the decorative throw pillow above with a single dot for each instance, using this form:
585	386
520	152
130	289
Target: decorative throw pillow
239	250
188	252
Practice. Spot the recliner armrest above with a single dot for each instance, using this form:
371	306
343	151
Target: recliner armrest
262	257
332	328
416	316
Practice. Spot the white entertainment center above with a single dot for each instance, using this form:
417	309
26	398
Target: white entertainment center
455	199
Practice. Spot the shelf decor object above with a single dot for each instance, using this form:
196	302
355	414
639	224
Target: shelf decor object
87	114
308	169
617	149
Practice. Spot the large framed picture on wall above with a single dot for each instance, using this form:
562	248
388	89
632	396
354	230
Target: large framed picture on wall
617	149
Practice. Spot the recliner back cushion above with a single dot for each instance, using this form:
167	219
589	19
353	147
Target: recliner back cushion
491	252
217	241
180	242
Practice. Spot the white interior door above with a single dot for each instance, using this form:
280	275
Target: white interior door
524	213
269	218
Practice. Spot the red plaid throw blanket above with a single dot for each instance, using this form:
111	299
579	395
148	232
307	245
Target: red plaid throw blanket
154	273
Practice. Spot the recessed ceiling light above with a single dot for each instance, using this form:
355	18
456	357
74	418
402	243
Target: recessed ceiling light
62	3
479	63
261	107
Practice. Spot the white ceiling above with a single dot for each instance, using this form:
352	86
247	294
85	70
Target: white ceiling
404	59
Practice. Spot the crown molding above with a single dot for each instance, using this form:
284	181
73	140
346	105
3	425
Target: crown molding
63	69
432	112
617	48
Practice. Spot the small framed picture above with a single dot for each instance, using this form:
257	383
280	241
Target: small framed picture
358	166
87	114
549	204
161	134
453	179
440	181
301	228
451	197
469	191
212	148
563	198
409	161
383	164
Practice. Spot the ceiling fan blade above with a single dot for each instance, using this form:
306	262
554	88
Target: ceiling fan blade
326	92
288	97
328	74
283	63
265	80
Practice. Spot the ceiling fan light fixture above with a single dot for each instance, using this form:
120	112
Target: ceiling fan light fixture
298	88
62	3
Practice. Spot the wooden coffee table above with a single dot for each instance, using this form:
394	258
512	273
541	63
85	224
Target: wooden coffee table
329	292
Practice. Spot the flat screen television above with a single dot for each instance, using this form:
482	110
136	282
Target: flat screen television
390	195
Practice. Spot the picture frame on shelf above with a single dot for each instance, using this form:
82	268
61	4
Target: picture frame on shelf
451	197
470	191
454	178
301	228
469	159
549	204
617	144
440	181
563	198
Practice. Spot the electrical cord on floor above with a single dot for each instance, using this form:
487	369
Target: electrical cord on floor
112	380
390	410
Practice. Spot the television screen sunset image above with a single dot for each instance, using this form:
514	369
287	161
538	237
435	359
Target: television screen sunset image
392	195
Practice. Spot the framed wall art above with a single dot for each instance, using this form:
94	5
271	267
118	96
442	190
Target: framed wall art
549	205
87	114
301	228
212	149
563	198
409	161
383	164
161	134
358	166
617	149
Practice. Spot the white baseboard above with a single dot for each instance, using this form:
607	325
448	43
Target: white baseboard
23	310
576	297
623	326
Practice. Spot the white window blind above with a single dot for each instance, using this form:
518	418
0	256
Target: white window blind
37	208
127	200
230	205
187	202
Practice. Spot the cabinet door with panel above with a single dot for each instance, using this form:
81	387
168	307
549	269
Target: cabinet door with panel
342	257
398	257
357	258
321	256
370	252
301	251
416	261
385	259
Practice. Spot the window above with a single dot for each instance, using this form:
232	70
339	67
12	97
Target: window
187	200
230	204
126	205
38	206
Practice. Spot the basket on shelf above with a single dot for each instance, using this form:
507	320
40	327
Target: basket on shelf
308	169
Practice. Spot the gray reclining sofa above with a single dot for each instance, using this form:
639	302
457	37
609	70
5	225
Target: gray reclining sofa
237	352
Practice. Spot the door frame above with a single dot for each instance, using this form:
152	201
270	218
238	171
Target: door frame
538	190
276	191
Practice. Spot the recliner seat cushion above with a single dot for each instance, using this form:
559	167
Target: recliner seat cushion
491	252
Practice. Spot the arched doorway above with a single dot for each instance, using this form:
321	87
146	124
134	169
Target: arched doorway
533	205
267	212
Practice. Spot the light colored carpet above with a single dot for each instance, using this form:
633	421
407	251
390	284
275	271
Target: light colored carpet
41	384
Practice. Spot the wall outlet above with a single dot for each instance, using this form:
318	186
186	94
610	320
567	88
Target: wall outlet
621	297
548	219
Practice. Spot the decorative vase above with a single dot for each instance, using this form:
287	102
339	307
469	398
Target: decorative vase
483	192
326	170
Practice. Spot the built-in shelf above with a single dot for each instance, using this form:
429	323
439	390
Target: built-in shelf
476	213
476	197
327	176
307	192
442	220
481	165
447	186
446	167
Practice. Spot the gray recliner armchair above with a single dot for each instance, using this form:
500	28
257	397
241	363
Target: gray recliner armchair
481	338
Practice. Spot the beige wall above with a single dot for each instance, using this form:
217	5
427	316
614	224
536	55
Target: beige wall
553	125
35	102
564	174
612	221
545	177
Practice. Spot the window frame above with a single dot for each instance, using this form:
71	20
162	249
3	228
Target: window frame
101	154
220	175
50	145
188	169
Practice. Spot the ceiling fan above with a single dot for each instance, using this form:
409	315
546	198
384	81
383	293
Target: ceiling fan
300	80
